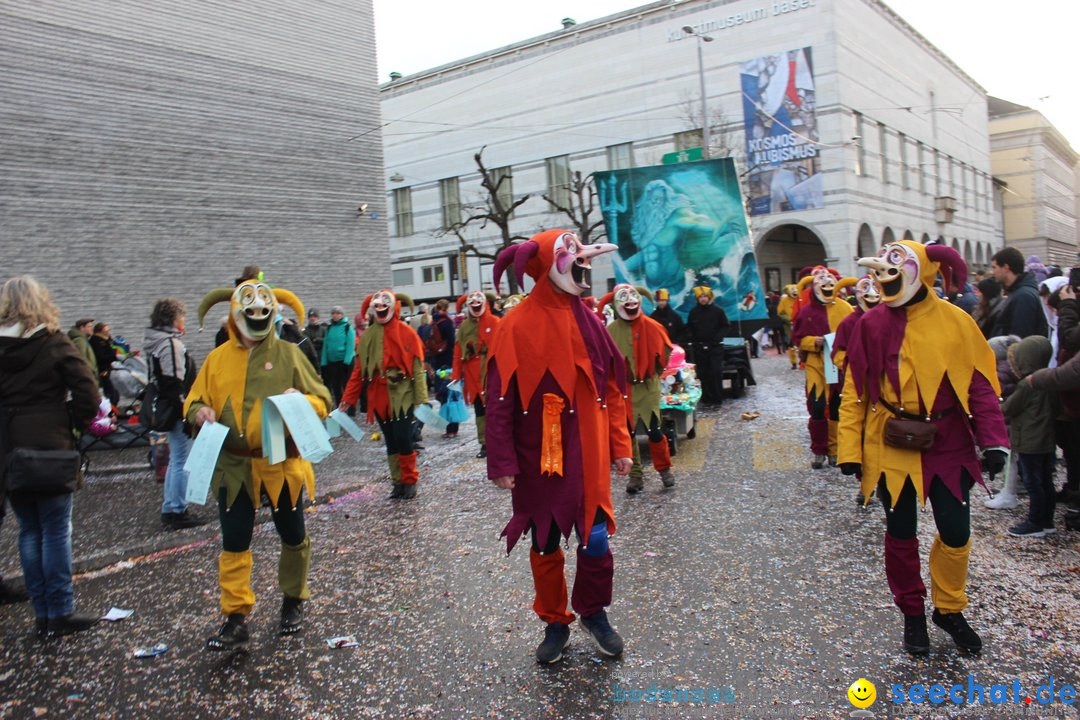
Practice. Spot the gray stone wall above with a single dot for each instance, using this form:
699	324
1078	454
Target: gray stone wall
152	149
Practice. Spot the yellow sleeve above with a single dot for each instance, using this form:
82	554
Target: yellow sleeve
852	421
809	343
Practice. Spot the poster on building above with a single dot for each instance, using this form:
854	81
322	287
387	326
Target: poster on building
780	118
679	226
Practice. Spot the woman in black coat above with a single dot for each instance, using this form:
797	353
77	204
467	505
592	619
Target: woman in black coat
39	367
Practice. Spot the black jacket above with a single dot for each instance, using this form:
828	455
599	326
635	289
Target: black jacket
1022	312
672	322
706	324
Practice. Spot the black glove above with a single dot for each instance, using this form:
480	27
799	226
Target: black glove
851	468
993	461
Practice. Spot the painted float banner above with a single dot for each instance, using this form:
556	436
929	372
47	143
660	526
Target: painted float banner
780	118
678	226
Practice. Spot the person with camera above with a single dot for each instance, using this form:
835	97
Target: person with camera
39	369
172	370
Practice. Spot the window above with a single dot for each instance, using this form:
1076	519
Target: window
883	144
920	160
450	199
688	139
403	276
433	273
403	211
558	180
620	157
860	157
903	162
504	185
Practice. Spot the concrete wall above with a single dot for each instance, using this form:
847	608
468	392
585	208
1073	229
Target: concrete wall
154	149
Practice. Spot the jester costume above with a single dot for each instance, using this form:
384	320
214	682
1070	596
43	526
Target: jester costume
785	310
556	390
645	346
820	315
230	388
470	356
919	358
389	370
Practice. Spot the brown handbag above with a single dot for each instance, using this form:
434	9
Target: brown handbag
910	434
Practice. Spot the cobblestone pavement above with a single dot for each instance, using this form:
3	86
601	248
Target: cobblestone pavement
755	580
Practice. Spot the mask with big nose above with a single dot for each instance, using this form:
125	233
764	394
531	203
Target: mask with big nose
896	269
573	262
867	292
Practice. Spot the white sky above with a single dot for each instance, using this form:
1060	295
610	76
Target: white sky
1019	51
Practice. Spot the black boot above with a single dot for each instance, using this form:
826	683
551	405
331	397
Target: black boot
556	637
483	452
962	634
69	624
41	628
233	635
408	492
395	493
609	641
916	639
292	616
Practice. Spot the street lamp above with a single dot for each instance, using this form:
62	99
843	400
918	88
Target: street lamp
701	76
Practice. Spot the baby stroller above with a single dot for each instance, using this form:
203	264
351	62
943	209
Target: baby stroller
130	380
129	377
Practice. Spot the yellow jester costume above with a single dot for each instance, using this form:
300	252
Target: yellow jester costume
230	388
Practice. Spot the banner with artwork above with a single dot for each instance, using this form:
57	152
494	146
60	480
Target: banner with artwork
678	226
780	118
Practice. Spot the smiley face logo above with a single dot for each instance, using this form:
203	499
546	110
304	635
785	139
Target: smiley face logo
862	693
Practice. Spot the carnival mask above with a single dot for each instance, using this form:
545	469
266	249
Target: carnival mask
253	308
476	303
897	268
627	302
572	262
867	292
824	285
383	304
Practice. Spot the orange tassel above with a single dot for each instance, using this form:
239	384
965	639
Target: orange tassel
551	451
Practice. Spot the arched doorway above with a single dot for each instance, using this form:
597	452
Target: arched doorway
925	239
785	250
967	252
980	258
909	236
956	245
887	236
866	245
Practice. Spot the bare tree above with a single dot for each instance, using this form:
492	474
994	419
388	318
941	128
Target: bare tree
492	209
721	138
582	202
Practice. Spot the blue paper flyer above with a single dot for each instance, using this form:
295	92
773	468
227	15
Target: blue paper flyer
202	459
292	410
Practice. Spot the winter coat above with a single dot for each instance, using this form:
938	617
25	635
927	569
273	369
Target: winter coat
706	324
36	374
104	354
1030	411
672	322
315	332
339	343
82	344
1061	379
1022	312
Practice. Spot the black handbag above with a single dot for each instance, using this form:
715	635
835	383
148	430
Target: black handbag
44	472
161	406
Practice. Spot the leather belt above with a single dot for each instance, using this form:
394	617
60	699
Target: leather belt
913	416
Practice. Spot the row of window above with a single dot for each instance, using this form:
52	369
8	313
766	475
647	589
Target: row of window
948	172
428	274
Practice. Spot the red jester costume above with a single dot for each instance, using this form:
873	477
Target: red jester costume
921	391
646	348
820	315
471	353
556	394
389	369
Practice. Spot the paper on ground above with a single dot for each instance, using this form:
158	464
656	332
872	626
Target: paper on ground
117	614
202	460
293	410
337	421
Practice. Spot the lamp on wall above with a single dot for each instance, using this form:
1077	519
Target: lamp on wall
397	177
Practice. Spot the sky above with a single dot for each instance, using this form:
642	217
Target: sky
1018	51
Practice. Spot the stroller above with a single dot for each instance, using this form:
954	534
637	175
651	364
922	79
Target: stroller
130	380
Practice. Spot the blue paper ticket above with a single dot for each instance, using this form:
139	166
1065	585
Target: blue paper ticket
293	410
202	459
337	421
832	374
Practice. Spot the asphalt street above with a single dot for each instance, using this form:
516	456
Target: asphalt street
756	581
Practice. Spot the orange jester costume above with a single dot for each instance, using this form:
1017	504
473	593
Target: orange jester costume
820	315
556	392
471	353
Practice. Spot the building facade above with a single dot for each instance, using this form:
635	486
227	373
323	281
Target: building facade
883	136
155	149
1037	170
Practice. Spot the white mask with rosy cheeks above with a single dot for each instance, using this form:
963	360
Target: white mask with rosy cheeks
572	262
627	302
476	303
867	293
383	306
897	271
824	285
253	308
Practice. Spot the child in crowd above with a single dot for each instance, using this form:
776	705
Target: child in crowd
1005	499
1031	415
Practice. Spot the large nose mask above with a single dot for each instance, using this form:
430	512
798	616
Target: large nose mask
867	293
896	269
572	264
253	309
